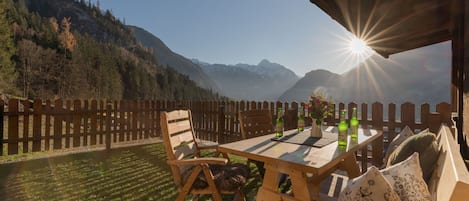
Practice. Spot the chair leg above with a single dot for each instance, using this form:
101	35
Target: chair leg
181	196
239	196
188	185
211	184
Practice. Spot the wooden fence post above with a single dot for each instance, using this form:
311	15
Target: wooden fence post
391	121
108	126
12	126
2	112
76	123
350	106
57	124
434	121
26	107
68	121
364	116
85	115
408	115
424	115
377	151
37	124
134	122
445	112
94	122
221	123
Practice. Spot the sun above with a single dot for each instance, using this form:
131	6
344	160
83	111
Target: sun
358	46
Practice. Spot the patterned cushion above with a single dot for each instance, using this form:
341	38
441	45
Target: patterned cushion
403	135
370	186
227	177
425	144
406	179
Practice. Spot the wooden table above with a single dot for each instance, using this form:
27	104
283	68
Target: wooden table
307	166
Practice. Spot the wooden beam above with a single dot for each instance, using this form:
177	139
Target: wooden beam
461	56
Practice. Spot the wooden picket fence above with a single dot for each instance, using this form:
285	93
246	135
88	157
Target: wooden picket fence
32	126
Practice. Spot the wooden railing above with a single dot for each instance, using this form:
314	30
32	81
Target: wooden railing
31	126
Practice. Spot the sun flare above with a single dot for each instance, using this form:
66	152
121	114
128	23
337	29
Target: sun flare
357	46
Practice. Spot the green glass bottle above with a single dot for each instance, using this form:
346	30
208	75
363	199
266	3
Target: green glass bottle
301	119
354	124
279	123
342	138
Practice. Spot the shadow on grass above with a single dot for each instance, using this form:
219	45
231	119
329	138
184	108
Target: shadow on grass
132	173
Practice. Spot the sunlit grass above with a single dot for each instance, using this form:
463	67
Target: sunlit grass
133	173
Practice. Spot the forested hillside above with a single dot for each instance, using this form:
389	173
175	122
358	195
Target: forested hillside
72	49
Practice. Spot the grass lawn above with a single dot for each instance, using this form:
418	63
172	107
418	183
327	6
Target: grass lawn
131	173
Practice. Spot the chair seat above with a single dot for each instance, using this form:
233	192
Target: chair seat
227	177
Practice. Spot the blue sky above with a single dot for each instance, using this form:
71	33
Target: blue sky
294	33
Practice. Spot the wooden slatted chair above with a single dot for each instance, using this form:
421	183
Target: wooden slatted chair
193	174
255	123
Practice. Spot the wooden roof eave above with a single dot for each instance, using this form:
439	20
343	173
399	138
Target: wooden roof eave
427	22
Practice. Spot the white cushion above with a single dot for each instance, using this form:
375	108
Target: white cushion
403	135
406	179
370	186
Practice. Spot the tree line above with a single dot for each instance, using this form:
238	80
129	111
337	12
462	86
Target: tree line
55	57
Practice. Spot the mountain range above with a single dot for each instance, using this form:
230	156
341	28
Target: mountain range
166	57
264	81
420	75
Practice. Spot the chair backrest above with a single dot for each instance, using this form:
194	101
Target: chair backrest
179	139
255	123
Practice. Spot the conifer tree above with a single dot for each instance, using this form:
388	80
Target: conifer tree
8	75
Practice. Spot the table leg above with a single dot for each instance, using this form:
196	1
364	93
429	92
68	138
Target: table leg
350	166
269	189
302	188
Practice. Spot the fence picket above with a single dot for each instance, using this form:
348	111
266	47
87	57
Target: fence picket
2	111
25	136
408	115
47	112
377	151
13	126
391	122
445	111
114	121
93	122
76	123
121	121
37	125
68	121
101	120
147	119
364	116
108	118
424	115
86	113
350	106
57	124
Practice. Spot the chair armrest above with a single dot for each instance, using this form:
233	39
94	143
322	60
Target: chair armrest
197	161
205	144
209	147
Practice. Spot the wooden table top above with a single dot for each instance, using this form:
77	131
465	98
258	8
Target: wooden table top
299	157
